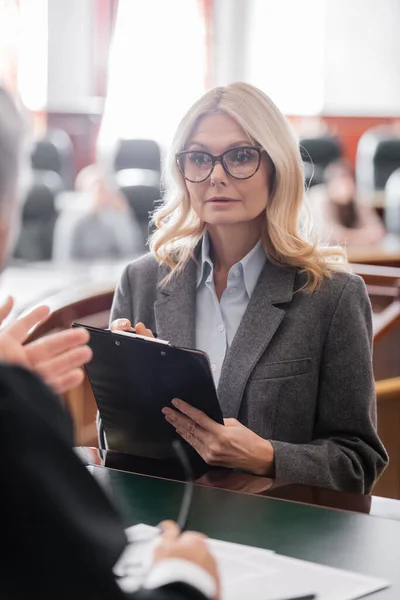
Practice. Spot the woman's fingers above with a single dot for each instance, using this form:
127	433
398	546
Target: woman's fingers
126	325
121	325
141	329
6	308
20	328
52	345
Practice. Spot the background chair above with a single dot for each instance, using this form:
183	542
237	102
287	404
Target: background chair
38	218
319	152
392	203
142	201
378	156
137	154
313	174
54	152
137	171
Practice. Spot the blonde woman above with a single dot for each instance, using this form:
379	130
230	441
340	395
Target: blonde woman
232	272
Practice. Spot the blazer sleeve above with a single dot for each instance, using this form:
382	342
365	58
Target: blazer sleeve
122	307
346	452
176	591
60	530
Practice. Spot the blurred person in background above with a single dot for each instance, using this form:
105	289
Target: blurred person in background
61	533
99	225
337	215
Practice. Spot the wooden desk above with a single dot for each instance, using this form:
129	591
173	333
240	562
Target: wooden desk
32	283
336	538
243	483
386	253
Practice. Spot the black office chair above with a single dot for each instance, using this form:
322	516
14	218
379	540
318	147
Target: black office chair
137	154
392	203
37	226
385	161
49	179
313	174
142	201
54	152
137	171
317	153
378	156
321	151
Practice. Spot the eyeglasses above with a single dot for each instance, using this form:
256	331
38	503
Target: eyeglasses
240	163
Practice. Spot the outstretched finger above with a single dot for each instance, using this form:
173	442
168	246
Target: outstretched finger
63	363
67	382
52	345
6	308
20	328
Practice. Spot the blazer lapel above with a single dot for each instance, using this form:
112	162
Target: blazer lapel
175	311
257	328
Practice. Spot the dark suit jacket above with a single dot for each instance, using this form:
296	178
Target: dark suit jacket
60	534
298	371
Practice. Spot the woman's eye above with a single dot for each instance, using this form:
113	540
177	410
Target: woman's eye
199	159
241	155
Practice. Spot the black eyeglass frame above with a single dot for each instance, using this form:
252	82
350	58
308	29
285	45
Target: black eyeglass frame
220	159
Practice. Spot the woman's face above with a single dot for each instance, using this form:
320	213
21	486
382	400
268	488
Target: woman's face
222	199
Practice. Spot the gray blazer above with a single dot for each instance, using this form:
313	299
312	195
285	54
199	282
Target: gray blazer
298	371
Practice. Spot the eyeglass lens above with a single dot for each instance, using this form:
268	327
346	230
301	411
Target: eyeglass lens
239	162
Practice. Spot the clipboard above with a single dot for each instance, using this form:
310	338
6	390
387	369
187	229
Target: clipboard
133	378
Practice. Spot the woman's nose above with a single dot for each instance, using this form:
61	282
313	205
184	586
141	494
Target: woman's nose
218	175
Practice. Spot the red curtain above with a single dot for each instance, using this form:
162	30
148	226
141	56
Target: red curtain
206	7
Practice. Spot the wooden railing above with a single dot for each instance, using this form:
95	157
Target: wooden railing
91	305
388	403
383	286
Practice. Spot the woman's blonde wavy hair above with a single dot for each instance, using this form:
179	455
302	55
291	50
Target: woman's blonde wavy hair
286	236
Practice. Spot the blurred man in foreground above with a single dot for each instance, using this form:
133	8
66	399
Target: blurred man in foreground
60	533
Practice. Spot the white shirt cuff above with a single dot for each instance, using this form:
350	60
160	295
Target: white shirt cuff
172	570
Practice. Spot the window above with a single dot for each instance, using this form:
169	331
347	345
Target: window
156	70
285	55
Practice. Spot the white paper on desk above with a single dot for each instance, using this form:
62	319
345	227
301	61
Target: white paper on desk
248	572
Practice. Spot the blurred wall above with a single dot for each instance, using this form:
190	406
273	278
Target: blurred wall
230	39
362	57
357	43
330	57
70	55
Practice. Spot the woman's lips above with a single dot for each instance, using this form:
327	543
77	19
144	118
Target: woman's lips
221	200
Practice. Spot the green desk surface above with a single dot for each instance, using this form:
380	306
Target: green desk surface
346	540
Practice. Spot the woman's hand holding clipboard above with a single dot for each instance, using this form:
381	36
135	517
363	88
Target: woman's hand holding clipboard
126	325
